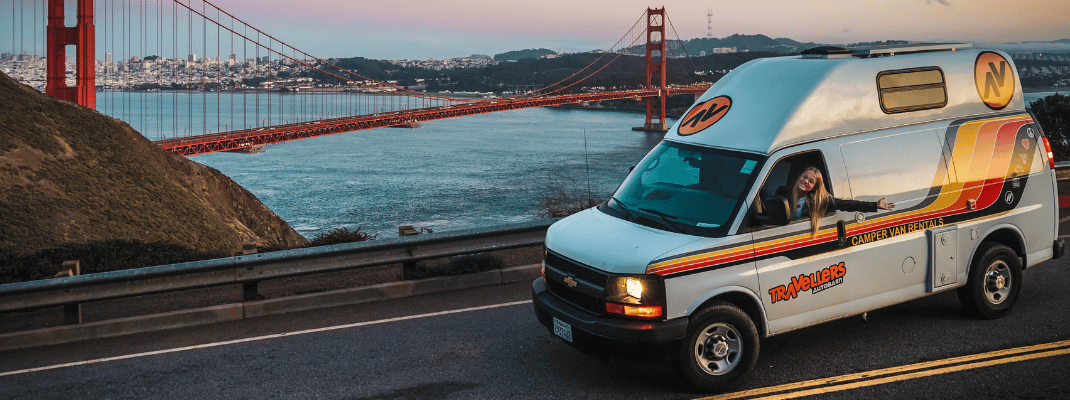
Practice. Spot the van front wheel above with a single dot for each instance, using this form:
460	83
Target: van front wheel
994	282
720	349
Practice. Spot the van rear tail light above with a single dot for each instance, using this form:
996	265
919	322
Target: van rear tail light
1047	150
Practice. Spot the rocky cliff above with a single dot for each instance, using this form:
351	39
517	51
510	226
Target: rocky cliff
69	174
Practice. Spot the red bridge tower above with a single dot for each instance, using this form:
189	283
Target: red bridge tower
655	66
82	36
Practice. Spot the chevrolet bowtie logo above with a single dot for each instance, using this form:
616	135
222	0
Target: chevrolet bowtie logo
570	281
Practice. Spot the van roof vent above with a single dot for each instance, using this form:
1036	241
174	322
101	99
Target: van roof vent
826	52
893	49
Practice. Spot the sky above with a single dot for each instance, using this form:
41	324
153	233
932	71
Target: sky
439	29
420	29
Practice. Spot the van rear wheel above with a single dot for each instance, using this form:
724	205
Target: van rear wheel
720	349
994	283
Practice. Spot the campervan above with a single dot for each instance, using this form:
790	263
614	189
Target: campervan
706	246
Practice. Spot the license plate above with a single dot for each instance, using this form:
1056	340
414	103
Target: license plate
562	329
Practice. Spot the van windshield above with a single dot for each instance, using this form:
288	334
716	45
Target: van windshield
685	188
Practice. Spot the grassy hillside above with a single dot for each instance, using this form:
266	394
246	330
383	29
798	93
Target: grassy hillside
71	175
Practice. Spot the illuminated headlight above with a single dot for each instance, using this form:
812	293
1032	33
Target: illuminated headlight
634	287
640	296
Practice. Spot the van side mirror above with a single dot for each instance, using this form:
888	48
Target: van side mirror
777	211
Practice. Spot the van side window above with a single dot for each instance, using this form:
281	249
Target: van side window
778	185
903	167
911	89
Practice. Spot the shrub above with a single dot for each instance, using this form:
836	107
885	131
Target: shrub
340	235
1053	115
460	265
563	200
93	257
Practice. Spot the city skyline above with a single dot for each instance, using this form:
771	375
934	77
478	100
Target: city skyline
422	29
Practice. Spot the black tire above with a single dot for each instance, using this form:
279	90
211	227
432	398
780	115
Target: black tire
994	283
720	349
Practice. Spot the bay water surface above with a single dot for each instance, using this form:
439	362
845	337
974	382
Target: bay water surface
459	173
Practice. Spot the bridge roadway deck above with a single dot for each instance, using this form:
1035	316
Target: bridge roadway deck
236	140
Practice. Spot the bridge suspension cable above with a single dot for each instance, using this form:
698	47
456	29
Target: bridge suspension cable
158	63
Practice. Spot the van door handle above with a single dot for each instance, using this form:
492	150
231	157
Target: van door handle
841	230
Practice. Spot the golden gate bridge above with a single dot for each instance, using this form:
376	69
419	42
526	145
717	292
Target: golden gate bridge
133	26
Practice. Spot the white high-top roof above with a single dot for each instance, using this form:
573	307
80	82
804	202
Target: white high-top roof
784	101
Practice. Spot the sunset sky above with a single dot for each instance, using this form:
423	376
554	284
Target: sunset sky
421	29
450	28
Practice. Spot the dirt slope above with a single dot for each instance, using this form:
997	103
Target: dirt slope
69	174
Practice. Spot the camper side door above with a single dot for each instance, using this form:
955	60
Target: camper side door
907	167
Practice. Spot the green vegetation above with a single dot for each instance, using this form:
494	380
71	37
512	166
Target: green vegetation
1053	115
745	43
523	54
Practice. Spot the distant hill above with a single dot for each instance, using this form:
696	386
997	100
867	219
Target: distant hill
742	43
1060	41
71	175
747	43
522	54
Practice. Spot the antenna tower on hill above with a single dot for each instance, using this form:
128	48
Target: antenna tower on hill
709	23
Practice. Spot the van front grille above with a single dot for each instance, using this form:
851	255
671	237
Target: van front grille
594	305
576	269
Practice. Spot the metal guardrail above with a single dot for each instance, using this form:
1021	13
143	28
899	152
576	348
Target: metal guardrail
249	269
253	268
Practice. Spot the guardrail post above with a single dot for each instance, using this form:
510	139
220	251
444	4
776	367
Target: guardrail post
249	289
249	292
408	269
72	313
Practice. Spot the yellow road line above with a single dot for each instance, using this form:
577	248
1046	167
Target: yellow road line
905	372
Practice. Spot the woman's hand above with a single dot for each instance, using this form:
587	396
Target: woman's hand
885	205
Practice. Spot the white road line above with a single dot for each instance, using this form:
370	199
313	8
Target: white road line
265	337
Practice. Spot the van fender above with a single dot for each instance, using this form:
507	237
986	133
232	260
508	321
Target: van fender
1004	233
742	297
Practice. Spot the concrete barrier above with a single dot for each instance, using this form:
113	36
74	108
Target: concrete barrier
258	308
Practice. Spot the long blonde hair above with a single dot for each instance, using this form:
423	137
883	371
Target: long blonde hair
818	198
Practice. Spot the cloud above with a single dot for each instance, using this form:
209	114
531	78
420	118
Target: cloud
940	2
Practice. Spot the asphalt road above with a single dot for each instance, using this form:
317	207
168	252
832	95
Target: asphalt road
486	344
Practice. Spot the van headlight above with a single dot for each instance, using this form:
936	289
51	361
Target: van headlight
639	296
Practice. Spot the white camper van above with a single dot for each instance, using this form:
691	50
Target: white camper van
703	249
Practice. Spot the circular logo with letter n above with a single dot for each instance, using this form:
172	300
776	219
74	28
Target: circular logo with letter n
704	114
994	77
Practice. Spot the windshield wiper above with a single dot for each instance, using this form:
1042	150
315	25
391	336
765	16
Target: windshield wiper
665	217
623	207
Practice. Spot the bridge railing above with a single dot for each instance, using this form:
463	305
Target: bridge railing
253	268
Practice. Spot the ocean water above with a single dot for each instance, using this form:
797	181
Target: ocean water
458	173
451	174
